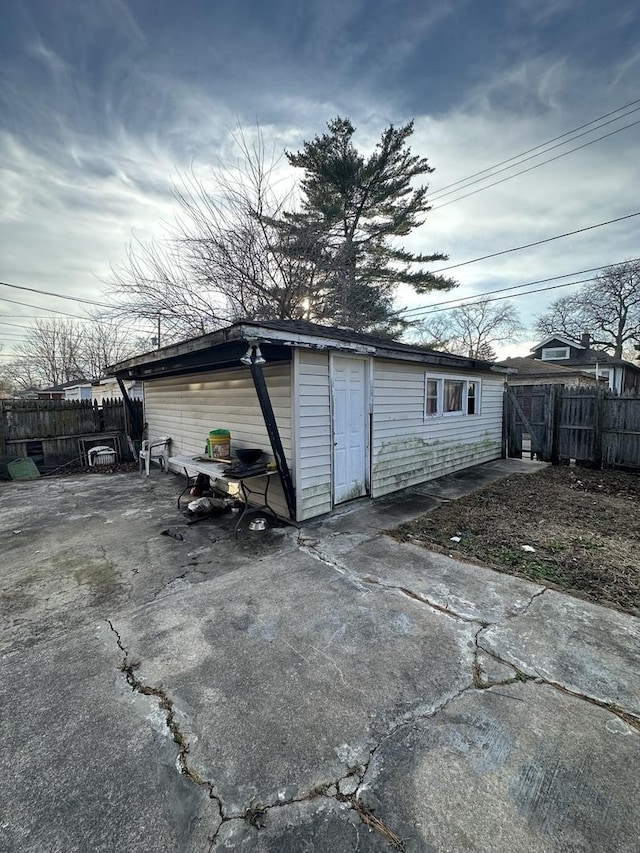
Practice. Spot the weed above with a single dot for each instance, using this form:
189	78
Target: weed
255	814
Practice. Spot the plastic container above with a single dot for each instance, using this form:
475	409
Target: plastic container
101	455
219	444
23	469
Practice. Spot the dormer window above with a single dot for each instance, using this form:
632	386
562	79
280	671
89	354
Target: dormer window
553	353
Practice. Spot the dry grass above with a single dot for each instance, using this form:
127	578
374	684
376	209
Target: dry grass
583	525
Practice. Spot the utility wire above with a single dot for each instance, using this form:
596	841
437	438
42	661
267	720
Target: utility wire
17	325
533	156
57	295
536	147
514	296
42	308
537	166
420	308
537	242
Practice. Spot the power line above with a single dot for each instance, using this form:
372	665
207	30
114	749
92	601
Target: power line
480	297
513	296
533	156
17	325
516	286
42	308
537	147
57	295
537	242
537	166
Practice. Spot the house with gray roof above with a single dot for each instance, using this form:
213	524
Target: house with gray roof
620	374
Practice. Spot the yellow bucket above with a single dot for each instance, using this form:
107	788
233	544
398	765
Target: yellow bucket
219	444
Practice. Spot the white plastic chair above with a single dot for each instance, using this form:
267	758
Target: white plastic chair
154	450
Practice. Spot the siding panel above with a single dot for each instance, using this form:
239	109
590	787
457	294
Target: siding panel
409	448
314	433
187	407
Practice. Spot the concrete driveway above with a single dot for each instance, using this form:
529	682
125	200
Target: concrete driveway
327	689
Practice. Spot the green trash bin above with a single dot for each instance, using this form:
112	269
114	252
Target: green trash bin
23	469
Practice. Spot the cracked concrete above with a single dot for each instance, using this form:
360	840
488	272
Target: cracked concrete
323	689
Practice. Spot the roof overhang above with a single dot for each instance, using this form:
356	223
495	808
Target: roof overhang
557	337
224	348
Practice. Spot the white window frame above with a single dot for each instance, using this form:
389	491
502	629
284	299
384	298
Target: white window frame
477	396
547	350
440	380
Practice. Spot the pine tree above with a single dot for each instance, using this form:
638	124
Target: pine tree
353	210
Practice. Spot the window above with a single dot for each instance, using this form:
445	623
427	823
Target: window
453	394
549	353
449	395
473	397
431	397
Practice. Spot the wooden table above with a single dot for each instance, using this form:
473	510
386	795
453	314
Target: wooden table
216	470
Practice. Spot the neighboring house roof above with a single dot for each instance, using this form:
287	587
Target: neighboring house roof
535	367
72	383
286	334
557	337
585	356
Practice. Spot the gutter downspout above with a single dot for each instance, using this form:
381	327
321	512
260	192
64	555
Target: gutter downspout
255	362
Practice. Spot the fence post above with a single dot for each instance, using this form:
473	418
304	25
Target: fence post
552	449
598	432
513	431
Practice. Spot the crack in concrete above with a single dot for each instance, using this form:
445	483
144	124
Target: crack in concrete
476	669
255	811
128	666
626	716
423	599
528	604
317	554
190	571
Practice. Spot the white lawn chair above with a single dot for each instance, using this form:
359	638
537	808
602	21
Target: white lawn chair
154	450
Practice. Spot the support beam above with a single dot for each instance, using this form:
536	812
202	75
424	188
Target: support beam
135	423
274	435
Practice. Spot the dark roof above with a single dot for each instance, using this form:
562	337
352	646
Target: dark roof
338	333
70	384
583	356
588	357
283	335
536	367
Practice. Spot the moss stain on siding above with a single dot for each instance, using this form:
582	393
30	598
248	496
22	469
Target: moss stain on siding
424	458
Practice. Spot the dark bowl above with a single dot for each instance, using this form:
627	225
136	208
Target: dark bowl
248	455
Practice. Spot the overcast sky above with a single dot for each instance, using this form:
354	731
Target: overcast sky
104	103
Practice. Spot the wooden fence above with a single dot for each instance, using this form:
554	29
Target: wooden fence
591	425
56	431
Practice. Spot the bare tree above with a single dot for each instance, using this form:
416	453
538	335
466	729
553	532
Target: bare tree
104	344
608	308
223	258
472	330
250	243
58	351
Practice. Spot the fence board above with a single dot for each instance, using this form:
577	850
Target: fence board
590	425
56	425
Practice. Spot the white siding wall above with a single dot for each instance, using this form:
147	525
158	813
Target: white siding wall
409	448
313	433
187	407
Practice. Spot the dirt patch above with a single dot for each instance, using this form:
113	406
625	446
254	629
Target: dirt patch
571	528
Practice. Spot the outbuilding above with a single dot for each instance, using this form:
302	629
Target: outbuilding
343	414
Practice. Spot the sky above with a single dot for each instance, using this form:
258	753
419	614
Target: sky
105	103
